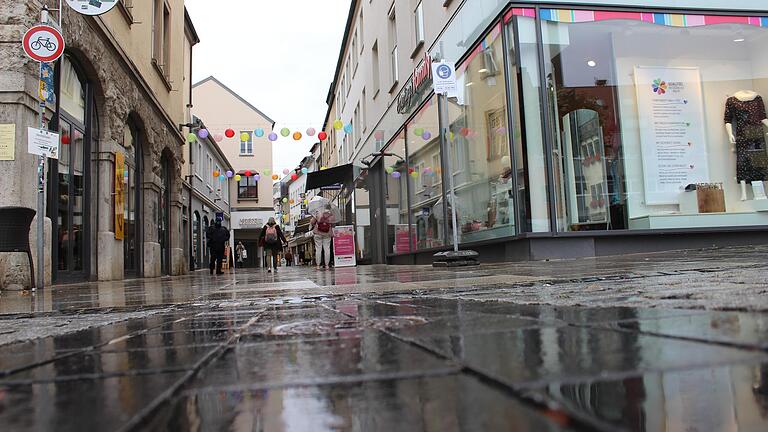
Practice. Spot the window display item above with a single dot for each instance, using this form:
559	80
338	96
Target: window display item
745	119
711	198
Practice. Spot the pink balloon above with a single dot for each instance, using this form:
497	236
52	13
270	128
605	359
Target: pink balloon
218	137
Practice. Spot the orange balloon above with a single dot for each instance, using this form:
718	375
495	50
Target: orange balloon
275	177
215	173
297	136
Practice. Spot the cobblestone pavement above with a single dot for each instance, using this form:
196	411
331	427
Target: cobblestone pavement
672	341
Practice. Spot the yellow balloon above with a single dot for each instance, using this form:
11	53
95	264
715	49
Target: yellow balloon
238	178
244	137
323	168
338	125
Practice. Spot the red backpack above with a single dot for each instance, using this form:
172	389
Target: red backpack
271	235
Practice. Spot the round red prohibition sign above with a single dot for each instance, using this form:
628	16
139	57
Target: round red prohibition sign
43	43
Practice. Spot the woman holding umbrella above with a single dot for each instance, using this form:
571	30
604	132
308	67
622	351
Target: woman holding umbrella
324	216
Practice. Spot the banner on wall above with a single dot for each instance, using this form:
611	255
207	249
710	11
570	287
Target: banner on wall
344	246
402	239
119	196
672	136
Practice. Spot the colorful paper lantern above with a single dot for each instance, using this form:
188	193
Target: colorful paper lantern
267	172
256	177
323	168
396	175
427	170
222	177
259	132
218	137
272	136
244	137
291	201
229	133
304	170
311	132
275	177
426	136
389	170
451	136
216	173
294	176
247	173
322	136
203	133
285	200
419	131
285	132
191	137
286	171
415	174
464	132
238	178
348	129
338	125
297	136
65	140
230	174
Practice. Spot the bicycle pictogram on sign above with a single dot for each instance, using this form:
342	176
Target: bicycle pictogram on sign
43	43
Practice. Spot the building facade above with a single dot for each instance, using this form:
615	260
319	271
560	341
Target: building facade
575	131
251	199
119	103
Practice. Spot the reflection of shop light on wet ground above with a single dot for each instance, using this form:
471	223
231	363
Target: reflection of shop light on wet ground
591	63
739	40
483	70
470	84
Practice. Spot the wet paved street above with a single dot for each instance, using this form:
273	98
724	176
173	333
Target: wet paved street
662	342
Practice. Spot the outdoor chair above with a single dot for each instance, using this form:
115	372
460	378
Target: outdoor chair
15	223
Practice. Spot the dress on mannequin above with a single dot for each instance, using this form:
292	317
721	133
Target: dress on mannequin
746	117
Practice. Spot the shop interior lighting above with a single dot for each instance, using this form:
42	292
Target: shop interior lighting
591	63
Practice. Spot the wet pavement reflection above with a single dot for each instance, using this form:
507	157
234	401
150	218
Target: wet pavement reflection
380	348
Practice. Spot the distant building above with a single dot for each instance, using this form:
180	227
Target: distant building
251	199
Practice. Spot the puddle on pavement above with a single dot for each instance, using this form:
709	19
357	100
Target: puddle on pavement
325	326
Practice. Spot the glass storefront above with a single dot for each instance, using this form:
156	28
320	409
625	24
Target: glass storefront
582	120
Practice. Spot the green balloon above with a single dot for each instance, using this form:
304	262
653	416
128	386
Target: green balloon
191	137
390	170
418	131
285	132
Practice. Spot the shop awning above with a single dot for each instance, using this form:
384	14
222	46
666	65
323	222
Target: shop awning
340	175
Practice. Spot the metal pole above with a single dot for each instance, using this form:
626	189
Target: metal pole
445	137
40	279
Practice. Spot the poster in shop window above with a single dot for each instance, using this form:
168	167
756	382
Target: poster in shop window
119	196
672	135
344	246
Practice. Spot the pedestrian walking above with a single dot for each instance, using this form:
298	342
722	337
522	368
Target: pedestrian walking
273	240
288	258
242	254
217	237
322	231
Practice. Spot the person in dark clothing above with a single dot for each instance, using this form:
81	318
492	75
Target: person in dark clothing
217	238
273	241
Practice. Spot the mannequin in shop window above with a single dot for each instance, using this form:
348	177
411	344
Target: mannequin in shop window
746	124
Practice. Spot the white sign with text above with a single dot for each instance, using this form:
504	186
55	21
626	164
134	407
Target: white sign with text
672	136
43	143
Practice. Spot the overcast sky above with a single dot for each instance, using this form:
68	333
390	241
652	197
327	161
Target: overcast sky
280	55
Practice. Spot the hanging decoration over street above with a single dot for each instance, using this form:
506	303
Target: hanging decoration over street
297	136
259	132
191	138
272	137
285	132
229	133
203	133
311	132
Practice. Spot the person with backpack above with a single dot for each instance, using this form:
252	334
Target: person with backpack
322	231
273	239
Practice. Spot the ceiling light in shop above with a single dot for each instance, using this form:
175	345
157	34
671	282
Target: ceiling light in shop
591	63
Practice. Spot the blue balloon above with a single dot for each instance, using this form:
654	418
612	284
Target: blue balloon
348	128
259	132
304	170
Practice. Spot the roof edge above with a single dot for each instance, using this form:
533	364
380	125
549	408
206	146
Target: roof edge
233	93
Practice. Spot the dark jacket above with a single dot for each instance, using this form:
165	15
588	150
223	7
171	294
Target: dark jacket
217	237
278	246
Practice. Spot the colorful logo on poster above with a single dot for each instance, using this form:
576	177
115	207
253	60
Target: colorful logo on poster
659	86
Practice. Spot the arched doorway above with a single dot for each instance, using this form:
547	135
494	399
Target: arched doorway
69	176
132	243
164	215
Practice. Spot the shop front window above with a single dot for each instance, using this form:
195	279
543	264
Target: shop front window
479	139
424	177
657	121
396	197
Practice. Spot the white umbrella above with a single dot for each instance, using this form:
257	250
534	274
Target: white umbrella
323	210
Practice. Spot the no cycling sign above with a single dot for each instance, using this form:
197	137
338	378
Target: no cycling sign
43	43
92	7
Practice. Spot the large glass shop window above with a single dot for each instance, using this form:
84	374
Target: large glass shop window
424	177
658	121
396	195
479	140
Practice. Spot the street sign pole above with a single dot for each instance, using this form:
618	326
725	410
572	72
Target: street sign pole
40	280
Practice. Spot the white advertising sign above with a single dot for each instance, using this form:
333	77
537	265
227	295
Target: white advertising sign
92	7
672	135
444	78
43	143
